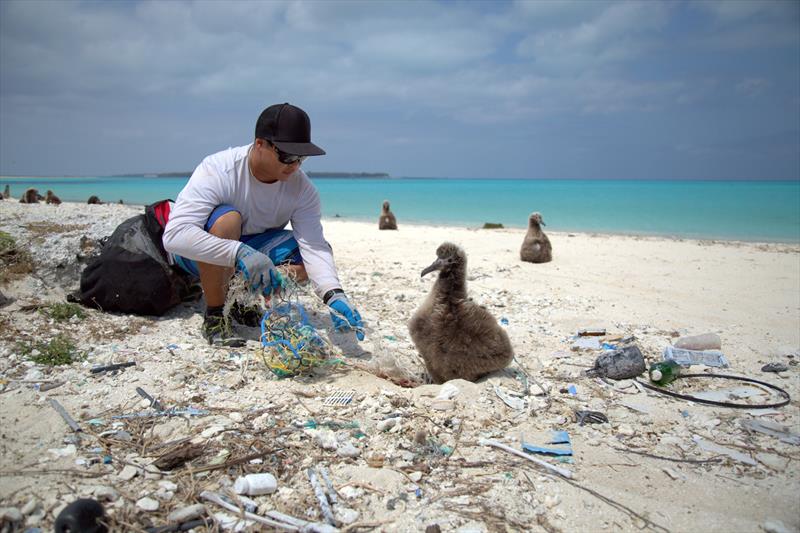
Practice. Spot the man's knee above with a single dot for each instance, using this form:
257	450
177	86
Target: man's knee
227	226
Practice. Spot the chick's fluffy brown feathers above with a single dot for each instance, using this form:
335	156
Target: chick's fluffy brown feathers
457	338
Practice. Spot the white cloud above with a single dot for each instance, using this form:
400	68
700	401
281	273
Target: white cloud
620	32
415	51
751	24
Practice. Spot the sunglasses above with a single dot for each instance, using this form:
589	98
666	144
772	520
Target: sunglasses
287	159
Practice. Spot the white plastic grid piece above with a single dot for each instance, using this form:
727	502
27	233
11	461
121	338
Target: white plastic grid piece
339	397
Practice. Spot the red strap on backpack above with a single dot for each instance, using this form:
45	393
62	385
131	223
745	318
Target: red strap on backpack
161	211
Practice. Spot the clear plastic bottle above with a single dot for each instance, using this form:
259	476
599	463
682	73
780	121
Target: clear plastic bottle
695	357
664	372
255	484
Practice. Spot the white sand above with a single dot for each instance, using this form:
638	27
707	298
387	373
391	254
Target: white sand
651	288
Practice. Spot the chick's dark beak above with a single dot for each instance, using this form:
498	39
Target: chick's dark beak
436	265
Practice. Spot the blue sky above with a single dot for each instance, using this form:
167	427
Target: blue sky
527	89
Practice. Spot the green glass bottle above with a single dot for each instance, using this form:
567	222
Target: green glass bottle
664	372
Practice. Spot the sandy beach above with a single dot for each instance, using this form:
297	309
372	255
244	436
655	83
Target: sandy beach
399	458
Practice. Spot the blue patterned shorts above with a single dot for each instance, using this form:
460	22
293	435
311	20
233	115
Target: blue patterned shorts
279	244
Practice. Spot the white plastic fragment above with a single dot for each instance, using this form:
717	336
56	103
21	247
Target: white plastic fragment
514	402
560	471
773	429
128	473
713	447
389	423
447	392
147	504
66	451
10	514
105	493
348	450
325	439
775	526
187	513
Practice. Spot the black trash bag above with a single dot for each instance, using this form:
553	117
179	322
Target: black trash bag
625	363
131	274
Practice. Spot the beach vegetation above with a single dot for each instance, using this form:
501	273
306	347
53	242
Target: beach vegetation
60	350
15	261
61	311
492	225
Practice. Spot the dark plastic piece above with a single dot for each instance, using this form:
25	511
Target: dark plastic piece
624	363
81	516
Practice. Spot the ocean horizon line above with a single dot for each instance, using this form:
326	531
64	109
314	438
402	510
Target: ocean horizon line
386	176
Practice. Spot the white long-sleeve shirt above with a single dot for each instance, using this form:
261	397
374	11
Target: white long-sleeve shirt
225	178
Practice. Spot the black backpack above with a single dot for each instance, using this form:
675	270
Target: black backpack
131	274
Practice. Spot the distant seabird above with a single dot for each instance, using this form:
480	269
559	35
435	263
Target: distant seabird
456	337
93	200
387	219
536	246
51	198
7	192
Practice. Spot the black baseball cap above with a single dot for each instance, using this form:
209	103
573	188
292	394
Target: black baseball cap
289	128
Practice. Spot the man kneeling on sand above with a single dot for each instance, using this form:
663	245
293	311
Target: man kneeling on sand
230	217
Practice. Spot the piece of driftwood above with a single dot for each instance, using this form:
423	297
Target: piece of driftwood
177	457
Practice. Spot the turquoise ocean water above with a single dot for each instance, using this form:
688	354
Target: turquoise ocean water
737	210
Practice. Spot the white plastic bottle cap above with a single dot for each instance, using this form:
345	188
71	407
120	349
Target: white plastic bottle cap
255	484
655	375
241	486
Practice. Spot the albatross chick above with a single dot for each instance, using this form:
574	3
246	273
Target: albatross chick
536	246
387	219
457	338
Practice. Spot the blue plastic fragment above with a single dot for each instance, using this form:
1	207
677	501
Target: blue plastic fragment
572	389
530	448
418	492
608	346
107	459
558	437
504	321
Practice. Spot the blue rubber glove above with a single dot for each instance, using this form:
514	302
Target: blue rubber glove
258	270
342	307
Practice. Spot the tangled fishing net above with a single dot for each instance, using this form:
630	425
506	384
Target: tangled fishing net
290	344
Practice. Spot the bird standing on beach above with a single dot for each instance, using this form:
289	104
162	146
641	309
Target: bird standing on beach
457	338
31	196
51	198
93	200
387	219
536	246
